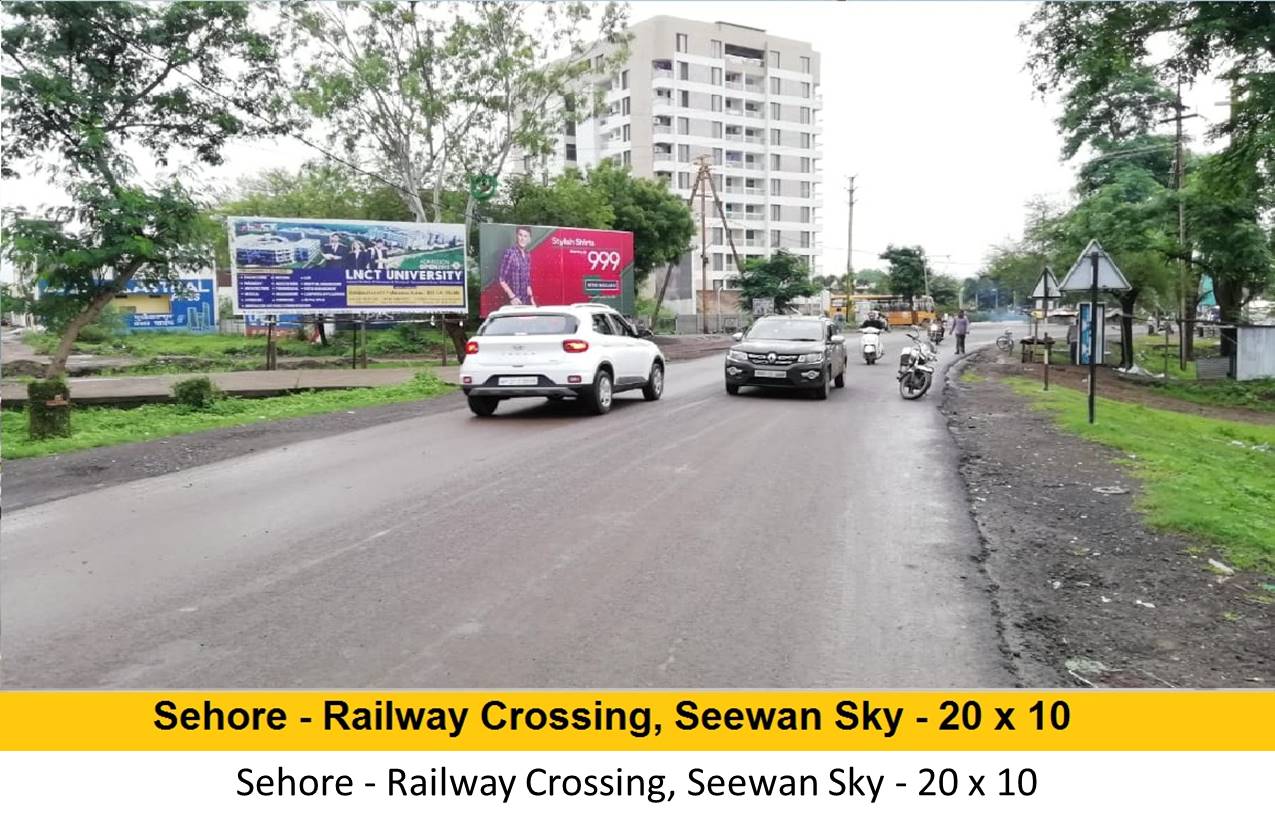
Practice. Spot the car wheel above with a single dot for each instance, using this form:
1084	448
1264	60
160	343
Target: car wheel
598	399
483	405
654	387
821	392
840	380
732	389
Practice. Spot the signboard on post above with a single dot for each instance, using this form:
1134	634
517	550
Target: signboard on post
186	303
325	266
763	306
541	265
1046	290
1081	276
1085	336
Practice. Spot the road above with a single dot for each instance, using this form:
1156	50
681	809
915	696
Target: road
702	541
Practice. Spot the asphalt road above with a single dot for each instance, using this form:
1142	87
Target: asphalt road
701	541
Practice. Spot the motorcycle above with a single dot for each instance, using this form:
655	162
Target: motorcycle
936	333
916	368
870	344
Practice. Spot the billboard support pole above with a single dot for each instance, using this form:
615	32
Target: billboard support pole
363	338
270	345
1093	333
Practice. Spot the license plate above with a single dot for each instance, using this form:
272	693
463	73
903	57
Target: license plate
518	381
770	374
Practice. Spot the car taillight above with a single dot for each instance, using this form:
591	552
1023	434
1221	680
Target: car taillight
471	348
575	345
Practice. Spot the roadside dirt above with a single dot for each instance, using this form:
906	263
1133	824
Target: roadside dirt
1086	593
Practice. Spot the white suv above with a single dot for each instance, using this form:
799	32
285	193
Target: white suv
585	351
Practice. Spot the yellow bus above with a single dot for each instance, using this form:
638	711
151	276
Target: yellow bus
896	309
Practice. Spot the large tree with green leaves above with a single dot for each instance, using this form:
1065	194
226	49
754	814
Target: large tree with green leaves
907	272
660	220
87	84
783	276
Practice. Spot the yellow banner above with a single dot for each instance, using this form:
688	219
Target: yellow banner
636	720
379	295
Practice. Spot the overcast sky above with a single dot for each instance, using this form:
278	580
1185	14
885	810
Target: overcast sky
928	103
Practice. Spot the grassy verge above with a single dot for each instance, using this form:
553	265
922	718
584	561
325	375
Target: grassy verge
1149	353
96	427
1207	477
396	341
1254	395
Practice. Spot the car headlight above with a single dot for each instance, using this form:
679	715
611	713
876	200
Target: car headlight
812	358
736	355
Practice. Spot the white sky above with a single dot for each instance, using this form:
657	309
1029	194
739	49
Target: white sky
928	103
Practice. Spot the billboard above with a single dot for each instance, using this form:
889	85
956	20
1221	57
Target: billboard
547	265
183	303
303	266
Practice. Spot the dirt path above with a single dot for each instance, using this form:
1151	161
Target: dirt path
1087	594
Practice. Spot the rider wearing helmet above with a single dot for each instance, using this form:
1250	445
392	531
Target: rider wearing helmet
874	321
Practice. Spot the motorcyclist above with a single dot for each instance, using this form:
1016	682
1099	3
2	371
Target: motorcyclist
874	321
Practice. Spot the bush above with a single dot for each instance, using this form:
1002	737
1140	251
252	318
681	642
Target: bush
108	328
196	393
48	408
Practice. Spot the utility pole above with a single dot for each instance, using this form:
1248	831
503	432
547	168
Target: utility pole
850	240
1185	330
704	184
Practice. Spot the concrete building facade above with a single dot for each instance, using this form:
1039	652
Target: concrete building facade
742	98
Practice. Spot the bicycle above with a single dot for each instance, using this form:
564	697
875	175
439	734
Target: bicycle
1006	341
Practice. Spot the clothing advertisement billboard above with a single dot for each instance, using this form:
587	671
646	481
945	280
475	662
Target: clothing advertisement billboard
540	265
350	266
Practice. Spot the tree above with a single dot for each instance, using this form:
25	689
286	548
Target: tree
876	279
435	92
84	80
660	220
907	274
944	290
317	189
783	277
569	200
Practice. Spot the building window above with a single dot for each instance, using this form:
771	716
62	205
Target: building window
628	158
625	134
805	89
776	163
805	239
805	64
805	141
805	115
717	103
684	181
805	213
683	125
684	98
717	261
716	74
717	155
624	80
682	43
599	62
776	187
717	129
717	182
776	213
571	153
805	164
776	137
683	71
683	153
776	112
776	86
805	190
774	60
774	238
717	236
716	48
624	106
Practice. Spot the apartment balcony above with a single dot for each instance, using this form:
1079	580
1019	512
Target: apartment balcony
662	156
745	191
740	60
661	73
742	165
743	138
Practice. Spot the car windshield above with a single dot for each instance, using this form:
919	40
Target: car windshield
778	329
530	325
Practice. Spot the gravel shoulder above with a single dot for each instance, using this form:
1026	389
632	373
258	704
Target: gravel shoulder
1087	594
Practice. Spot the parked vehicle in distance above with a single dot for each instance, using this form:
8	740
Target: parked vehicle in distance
916	367
584	351
800	352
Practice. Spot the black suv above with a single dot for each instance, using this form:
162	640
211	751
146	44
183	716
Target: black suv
795	351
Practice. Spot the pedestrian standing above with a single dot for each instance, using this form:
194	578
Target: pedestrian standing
960	328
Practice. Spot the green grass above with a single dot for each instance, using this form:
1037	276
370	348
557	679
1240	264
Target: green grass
1258	394
1206	477
96	427
399	340
1149	353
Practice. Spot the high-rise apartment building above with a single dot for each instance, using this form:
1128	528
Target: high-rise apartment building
742	98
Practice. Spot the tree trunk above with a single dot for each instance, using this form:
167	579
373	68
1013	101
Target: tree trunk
86	316
1127	300
456	331
1230	302
659	296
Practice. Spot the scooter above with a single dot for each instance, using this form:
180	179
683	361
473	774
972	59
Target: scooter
870	344
916	368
